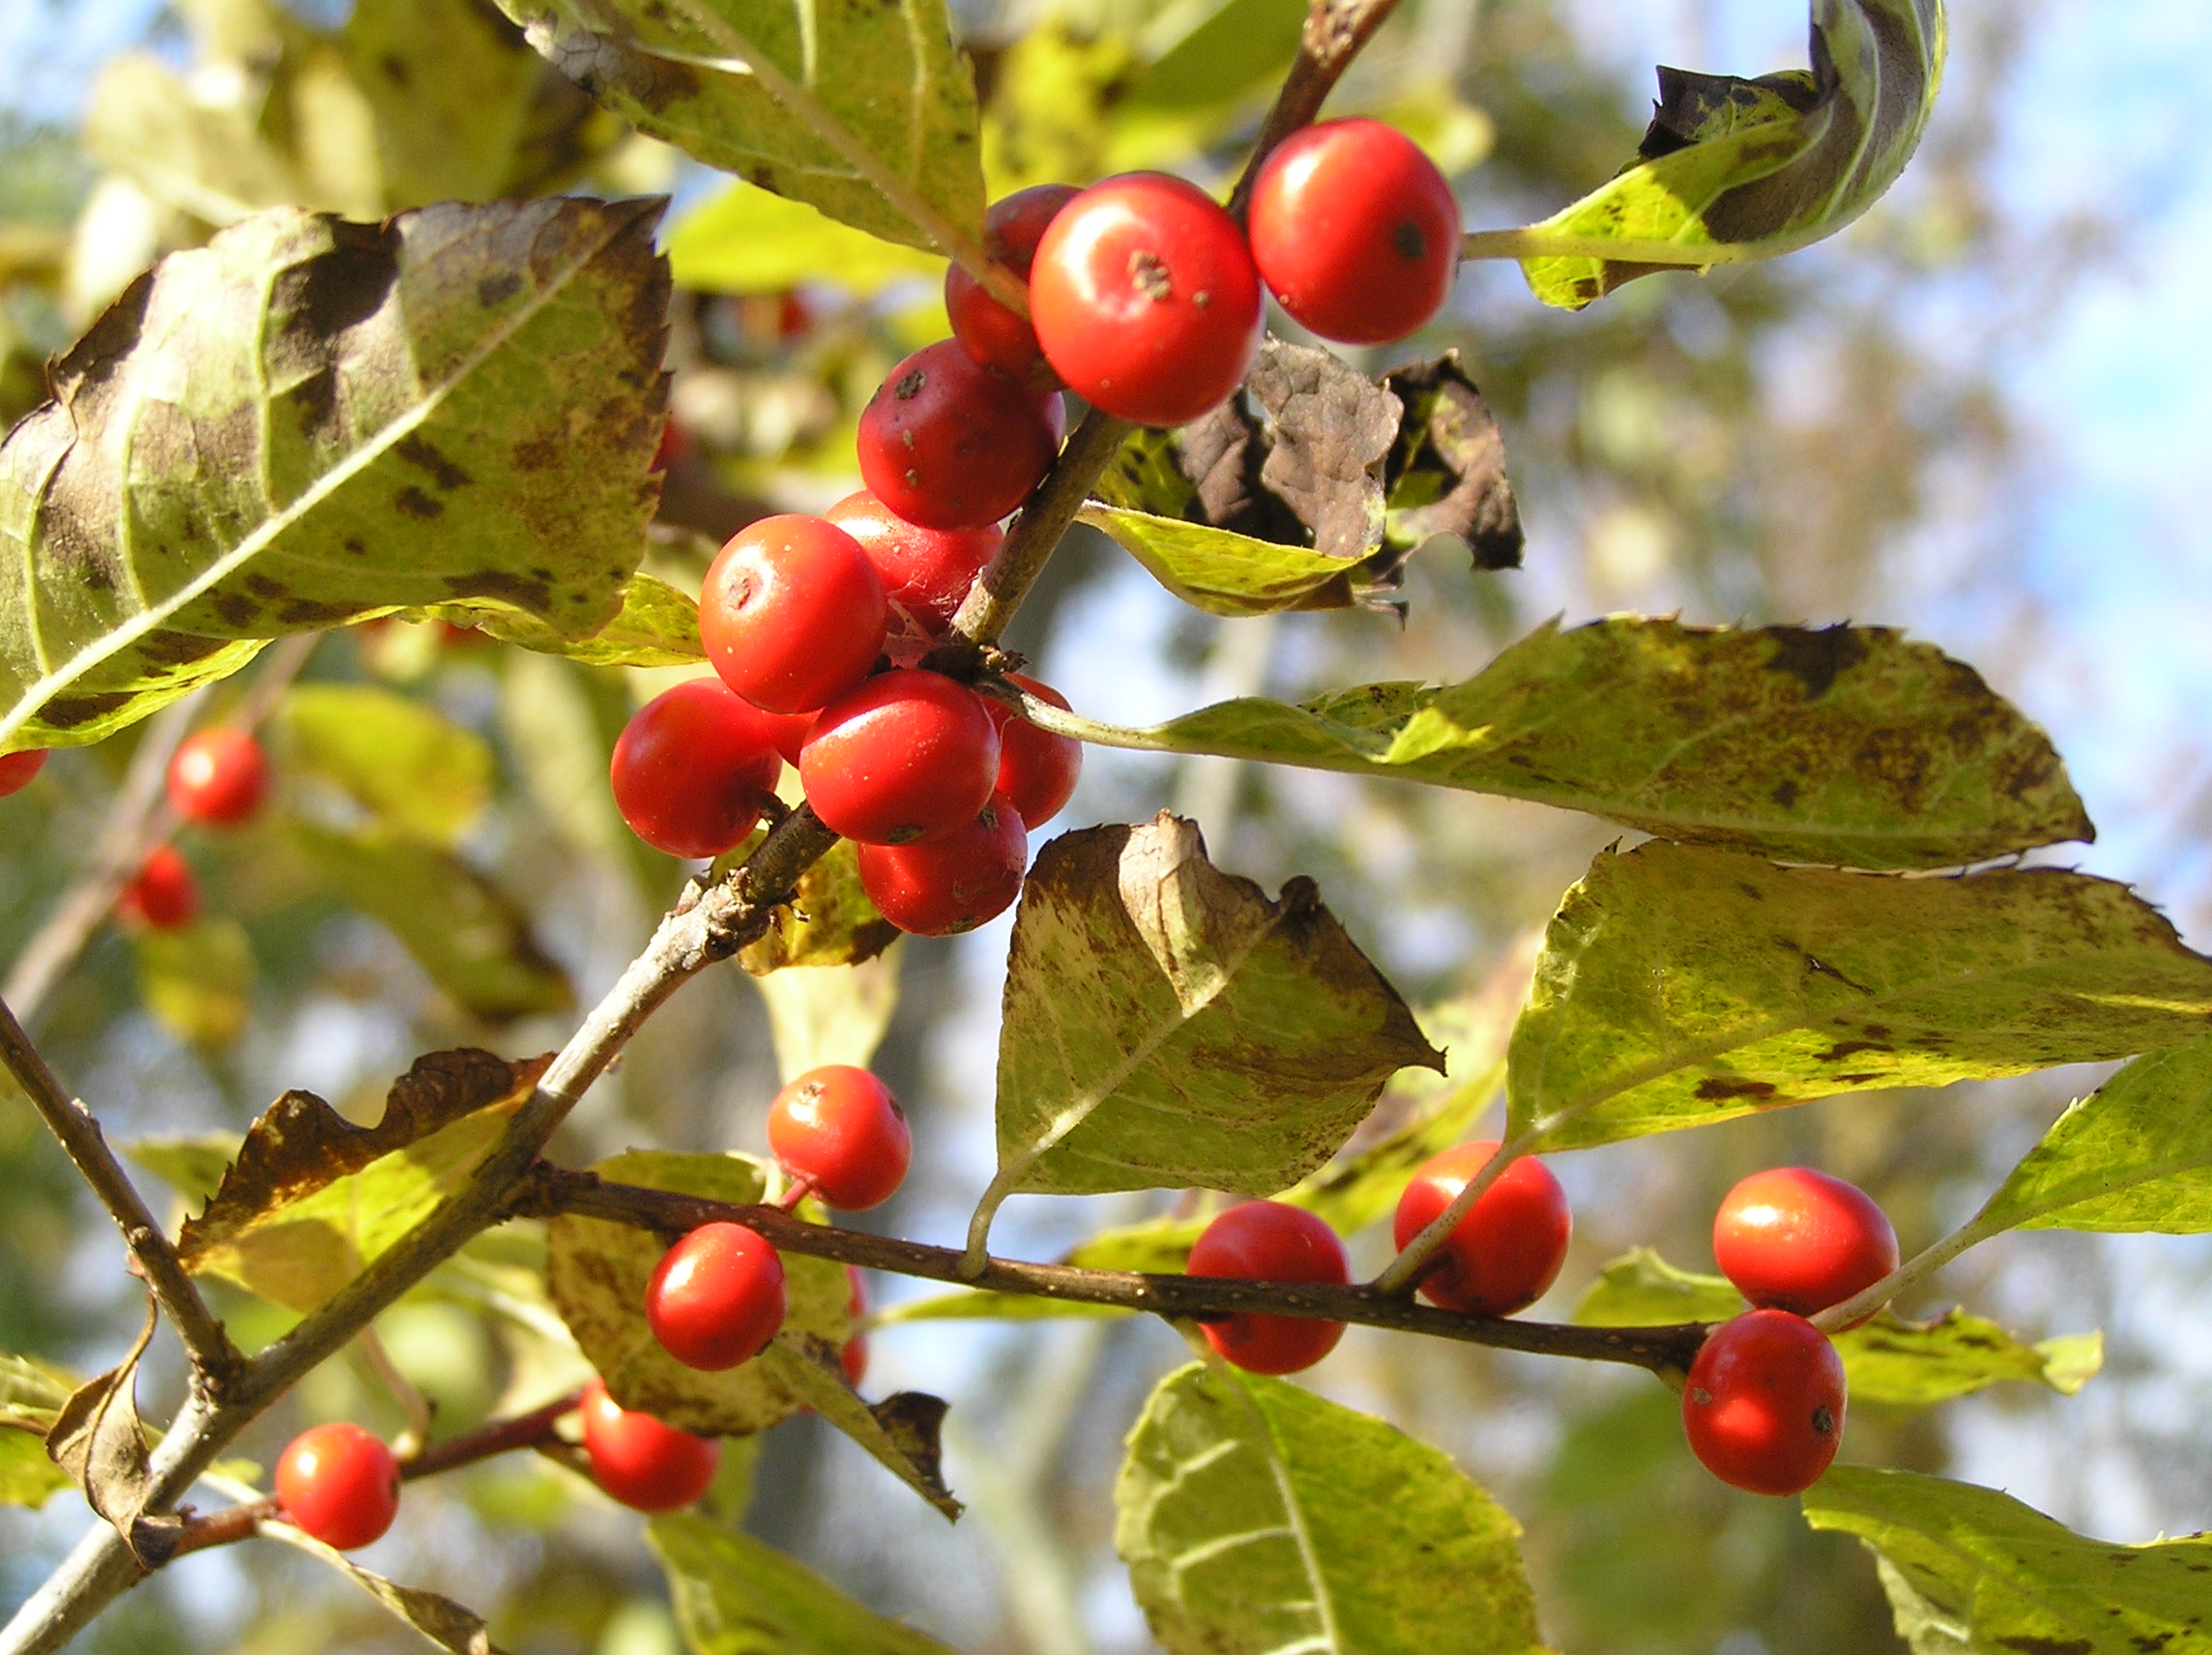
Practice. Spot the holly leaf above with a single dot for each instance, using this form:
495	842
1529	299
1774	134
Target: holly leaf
1258	1518
1680	986
865	112
746	240
1972	1570
307	421
735	1596
1446	475
32	1395
598	1272
656	627
904	1433
1735	169
197	979
443	1622
405	764
1166	1024
312	1198
96	1440
1847	744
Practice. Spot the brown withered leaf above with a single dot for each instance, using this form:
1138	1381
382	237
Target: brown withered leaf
98	1439
1447	471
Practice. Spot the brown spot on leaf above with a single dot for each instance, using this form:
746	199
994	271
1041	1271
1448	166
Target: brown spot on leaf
416	503
1815	657
533	596
1717	1088
1843	1049
493	291
416	452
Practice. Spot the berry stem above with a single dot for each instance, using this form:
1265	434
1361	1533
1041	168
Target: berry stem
1404	1272
1910	1273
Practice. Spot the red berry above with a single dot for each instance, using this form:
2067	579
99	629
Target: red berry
218	778
1037	770
855	1356
909	755
692	767
339	1485
943	886
640	1462
840	1128
163	895
1508	1248
1268	1241
17	769
792	613
987	331
1799	1240
927	571
1764	1405
1145	299
1356	231
677	446
949	444
716	1297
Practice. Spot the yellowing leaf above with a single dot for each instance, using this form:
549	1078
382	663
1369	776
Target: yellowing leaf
404	762
746	240
735	1596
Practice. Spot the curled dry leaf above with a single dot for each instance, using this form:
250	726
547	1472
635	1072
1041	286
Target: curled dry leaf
905	1432
98	1439
1446	473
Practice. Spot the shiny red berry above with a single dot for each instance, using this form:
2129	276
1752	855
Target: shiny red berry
1037	770
677	446
987	331
909	755
1507	1250
163	895
1145	299
927	571
1799	1240
1764	1409
693	767
218	778
840	1129
716	1297
1356	231
1268	1241
855	1356
949	444
17	769
640	1462
947	886
792	613
339	1485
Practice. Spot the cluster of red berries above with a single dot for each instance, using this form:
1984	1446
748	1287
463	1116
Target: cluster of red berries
217	778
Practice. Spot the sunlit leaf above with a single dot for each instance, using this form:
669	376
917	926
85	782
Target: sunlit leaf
32	1394
1973	1571
1221	572
830	1014
656	627
746	240
448	1625
197	979
1257	1519
735	1596
404	762
904	1433
308	420
1680	987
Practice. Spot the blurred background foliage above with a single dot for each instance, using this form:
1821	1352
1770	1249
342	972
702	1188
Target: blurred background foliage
1839	435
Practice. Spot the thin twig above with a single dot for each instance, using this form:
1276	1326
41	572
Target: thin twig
1910	1273
215	1361
1335	31
1404	1272
1188	1298
420	1411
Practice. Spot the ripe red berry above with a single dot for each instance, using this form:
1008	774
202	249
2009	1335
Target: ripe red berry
1508	1248
927	571
1799	1240
716	1297
792	613
1145	299
694	765
17	769
840	1129
218	778
855	1356
949	444
1037	770
909	755
943	886
163	895
640	1462
677	446
987	331
1268	1241
339	1485
1356	231
1764	1409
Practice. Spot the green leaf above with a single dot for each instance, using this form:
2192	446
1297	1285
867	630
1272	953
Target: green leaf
747	240
1680	986
1972	1570
1166	1024
904	1433
321	421
1845	745
976	1304
1158	1246
735	1596
1258	1519
1364	1188
2136	1155
656	627
1237	47
1641	1290
1224	573
32	1394
197	979
1748	169
830	1014
598	1271
830	922
472	937
411	768
867	112
194	1167
312	1198
448	1625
